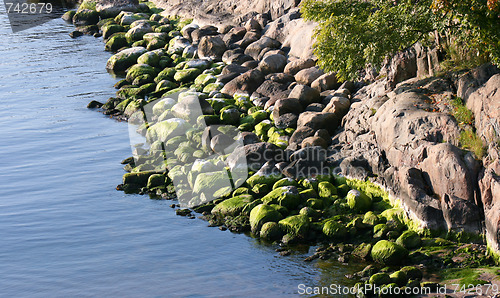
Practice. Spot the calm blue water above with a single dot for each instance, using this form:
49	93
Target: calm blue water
65	230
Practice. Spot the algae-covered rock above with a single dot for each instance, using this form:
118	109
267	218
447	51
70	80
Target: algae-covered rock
308	194
124	59
205	79
271	231
260	178
343	190
163	131
310	212
315	203
262	214
156	180
409	240
399	278
85	17
150	58
187	75
379	279
110	29
287	196
232	206
139	70
139	178
334	229
412	273
297	225
212	184
166	74
116	42
285	182
363	251
358	201
389	253
326	189
371	219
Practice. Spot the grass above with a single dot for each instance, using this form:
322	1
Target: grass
471	141
464	277
461	113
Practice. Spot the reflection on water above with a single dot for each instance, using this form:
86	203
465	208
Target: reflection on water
65	231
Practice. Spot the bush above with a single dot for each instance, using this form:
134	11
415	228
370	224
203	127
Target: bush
354	33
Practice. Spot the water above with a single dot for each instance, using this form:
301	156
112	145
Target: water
64	229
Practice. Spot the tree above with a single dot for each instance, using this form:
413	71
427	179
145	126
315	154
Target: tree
354	33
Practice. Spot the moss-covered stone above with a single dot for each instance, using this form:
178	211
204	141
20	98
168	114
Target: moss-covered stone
109	30
156	180
166	74
213	87
259	178
399	278
165	85
187	75
343	190
389	253
285	182
139	70
412	273
232	206
205	79
371	219
326	189
363	251
297	225
164	130
358	201
149	58
230	116
380	231
334	229
409	240
85	17
262	214
380	279
139	178
286	196
116	42
271	231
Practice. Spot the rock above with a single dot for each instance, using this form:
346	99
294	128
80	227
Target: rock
307	162
139	70
116	42
268	174
208	30
109	30
273	90
256	155
247	82
137	33
253	24
315	107
316	121
187	75
335	230
234	35
163	131
297	225
371	219
188	29
149	58
409	240
412	272
338	105
85	17
226	78
327	81
314	141
379	279
249	138
249	38
250	64
300	134
212	185
403	66
305	94
359	201
232	206
286	196
285	106
399	277
284	121
111	8
75	34
234	68
293	67
211	46
68	16
271	231
388	253
262	214
255	48
137	178
272	64
237	58
308	75
363	251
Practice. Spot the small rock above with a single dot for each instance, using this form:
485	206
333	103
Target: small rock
308	75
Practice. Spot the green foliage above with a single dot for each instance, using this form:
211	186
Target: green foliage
354	33
460	112
471	141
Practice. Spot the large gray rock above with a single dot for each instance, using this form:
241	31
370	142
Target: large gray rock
293	67
316	121
287	105
308	75
111	8
257	155
247	82
272	64
305	94
255	48
124	59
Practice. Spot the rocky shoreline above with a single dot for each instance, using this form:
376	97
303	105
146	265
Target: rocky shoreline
414	203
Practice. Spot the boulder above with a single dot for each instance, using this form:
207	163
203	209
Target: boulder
85	17
109	30
211	46
139	70
137	33
286	196
163	131
305	94
409	240
308	75
293	67
262	214
334	230
359	201
296	225
272	64
284	121
388	253
316	121
327	81
111	8
255	48
271	231
338	105
116	42
198	33
232	206
247	82
287	105
256	154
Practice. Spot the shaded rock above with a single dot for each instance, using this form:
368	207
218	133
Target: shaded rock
285	106
315	107
256	155
288	120
299	135
272	64
111	8
208	30
295	66
249	38
247	82
327	81
255	48
124	59
85	17
316	121
314	141
234	68
273	90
